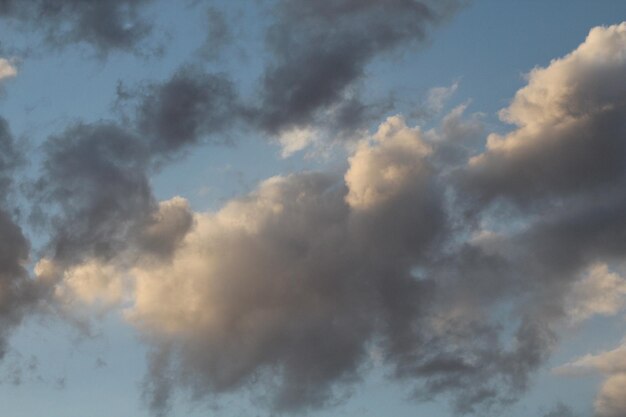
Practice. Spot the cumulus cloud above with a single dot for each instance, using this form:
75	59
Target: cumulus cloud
96	177
611	400
93	282
276	286
379	173
570	126
438	96
563	166
93	191
219	34
291	286
295	140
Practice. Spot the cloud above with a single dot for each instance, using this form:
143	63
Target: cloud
456	268
289	287
7	69
320	49
295	140
611	400
219	34
570	127
105	25
190	106
438	96
379	173
277	286
600	292
93	282
559	173
17	291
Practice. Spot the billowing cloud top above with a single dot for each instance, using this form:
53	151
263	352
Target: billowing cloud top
570	126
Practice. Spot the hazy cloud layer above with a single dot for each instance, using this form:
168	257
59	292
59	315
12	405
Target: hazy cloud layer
105	25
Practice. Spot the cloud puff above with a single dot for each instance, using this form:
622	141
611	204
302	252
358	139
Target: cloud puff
611	400
601	292
378	173
7	69
190	106
570	126
438	96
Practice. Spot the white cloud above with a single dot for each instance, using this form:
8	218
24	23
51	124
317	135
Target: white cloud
600	292
569	117
611	399
295	140
438	96
384	165
7	68
93	282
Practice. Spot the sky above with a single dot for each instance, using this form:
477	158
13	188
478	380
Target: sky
312	208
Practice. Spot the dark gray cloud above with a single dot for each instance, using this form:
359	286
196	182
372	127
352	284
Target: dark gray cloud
105	25
190	106
17	292
320	49
95	175
94	191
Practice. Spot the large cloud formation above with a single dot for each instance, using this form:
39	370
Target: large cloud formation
564	166
296	284
570	126
453	274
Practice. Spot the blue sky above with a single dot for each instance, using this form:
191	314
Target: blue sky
165	276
